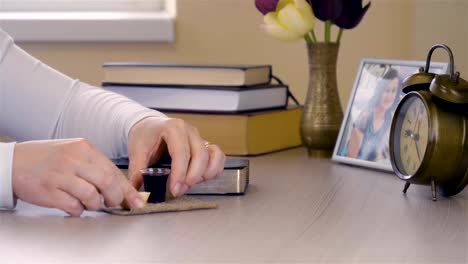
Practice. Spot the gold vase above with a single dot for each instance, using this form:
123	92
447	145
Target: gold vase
322	114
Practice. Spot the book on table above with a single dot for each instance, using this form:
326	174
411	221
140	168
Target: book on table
233	180
232	99
235	107
147	73
250	133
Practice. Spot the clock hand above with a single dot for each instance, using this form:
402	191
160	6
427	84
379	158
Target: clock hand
416	120
419	125
416	138
416	133
414	126
417	150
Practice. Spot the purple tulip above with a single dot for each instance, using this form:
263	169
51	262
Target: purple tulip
266	6
327	9
352	14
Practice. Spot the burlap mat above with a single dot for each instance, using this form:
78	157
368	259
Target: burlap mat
184	203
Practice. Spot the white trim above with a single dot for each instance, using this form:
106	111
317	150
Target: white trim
80	5
7	197
92	26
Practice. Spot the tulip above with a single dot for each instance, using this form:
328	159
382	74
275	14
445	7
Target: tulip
292	20
352	14
266	6
327	9
295	19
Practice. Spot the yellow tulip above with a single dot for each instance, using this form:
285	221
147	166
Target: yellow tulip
291	20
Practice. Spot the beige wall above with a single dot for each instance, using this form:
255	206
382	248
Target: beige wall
228	31
442	21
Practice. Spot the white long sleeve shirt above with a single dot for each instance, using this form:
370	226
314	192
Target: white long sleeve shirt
38	102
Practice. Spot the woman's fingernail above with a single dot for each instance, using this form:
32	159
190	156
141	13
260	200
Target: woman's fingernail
138	203
177	190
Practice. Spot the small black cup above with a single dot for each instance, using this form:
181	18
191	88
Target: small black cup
155	181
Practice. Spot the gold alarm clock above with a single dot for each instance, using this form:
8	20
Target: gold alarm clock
429	131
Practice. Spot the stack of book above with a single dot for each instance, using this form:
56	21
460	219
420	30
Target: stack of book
238	108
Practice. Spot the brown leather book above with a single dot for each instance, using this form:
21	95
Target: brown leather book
251	133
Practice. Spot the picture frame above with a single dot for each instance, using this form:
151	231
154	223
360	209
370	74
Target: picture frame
364	134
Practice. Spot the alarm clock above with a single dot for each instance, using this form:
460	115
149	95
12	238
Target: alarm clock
429	131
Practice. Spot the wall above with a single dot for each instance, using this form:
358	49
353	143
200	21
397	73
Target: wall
228	31
442	21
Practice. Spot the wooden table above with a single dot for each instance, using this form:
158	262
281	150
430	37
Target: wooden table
296	210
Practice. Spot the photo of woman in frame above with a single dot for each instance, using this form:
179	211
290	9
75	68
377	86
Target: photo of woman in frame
365	131
370	132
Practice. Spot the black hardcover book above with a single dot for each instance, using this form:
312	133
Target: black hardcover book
148	73
220	99
234	180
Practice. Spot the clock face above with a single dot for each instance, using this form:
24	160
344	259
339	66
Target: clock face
410	135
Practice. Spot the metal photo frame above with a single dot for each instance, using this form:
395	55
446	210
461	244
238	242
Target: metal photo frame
364	134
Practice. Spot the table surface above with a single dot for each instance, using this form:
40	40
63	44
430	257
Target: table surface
296	210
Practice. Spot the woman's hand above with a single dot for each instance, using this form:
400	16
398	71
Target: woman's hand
69	175
193	159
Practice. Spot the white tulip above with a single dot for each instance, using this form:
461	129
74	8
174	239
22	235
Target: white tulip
292	20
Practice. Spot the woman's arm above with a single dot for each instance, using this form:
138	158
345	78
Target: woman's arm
102	117
354	143
357	134
38	102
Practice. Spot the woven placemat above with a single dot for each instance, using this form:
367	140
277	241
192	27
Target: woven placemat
184	203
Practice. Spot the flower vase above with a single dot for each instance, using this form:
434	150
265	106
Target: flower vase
322	114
